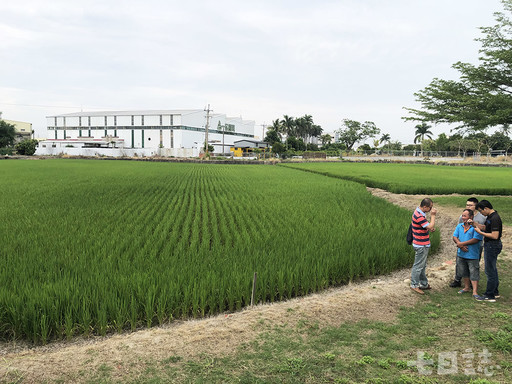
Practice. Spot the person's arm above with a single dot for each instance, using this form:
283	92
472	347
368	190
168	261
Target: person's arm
432	224
476	225
493	235
466	243
479	226
463	245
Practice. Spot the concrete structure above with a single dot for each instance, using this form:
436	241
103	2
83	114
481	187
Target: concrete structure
23	129
143	133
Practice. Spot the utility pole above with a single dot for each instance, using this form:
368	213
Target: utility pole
223	130
208	110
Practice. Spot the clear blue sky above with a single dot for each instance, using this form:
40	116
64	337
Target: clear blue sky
357	59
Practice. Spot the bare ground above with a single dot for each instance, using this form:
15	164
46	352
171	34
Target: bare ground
376	299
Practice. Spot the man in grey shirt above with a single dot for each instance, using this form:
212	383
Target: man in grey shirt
479	221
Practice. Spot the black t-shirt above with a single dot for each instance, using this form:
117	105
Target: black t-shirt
493	224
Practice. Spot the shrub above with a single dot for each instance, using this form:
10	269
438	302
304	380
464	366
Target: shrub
26	147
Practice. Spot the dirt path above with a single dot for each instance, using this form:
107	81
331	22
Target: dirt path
376	299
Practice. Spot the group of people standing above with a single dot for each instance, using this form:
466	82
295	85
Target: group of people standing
479	223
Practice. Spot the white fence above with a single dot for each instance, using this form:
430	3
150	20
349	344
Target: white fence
117	152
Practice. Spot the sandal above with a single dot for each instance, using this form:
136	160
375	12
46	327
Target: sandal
426	288
418	290
463	291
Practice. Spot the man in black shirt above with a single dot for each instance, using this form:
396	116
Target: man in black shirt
492	248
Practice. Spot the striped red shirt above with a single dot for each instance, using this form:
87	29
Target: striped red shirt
419	232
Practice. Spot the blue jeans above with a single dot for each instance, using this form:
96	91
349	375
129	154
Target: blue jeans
491	251
418	276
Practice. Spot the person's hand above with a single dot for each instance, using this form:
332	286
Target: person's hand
464	248
433	211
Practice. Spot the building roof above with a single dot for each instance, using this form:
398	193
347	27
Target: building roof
251	143
147	112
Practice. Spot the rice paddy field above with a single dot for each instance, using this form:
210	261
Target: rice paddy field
418	178
97	246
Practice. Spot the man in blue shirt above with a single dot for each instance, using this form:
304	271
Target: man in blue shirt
468	252
480	220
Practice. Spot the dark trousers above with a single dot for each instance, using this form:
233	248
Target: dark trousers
491	251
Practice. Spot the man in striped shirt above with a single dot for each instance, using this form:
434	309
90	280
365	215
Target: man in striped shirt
421	243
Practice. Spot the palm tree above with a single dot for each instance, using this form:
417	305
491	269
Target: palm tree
276	126
288	124
422	130
308	126
385	139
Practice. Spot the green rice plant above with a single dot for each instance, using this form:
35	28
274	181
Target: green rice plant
98	246
134	313
102	321
69	326
149	306
418	178
161	307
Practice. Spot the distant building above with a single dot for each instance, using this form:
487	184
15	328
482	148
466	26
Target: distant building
251	144
148	132
23	129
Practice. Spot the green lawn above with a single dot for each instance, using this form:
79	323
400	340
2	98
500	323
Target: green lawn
418	178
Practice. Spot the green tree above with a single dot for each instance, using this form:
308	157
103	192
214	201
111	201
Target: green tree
277	127
364	148
26	147
395	145
303	125
334	147
7	134
278	148
482	97
353	132
386	138
499	141
312	147
428	145
324	139
272	136
295	144
480	140
288	124
305	128
442	142
411	147
422	130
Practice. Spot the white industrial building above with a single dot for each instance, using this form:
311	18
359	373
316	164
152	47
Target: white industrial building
179	133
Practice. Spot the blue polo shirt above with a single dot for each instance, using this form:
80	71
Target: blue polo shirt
473	249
